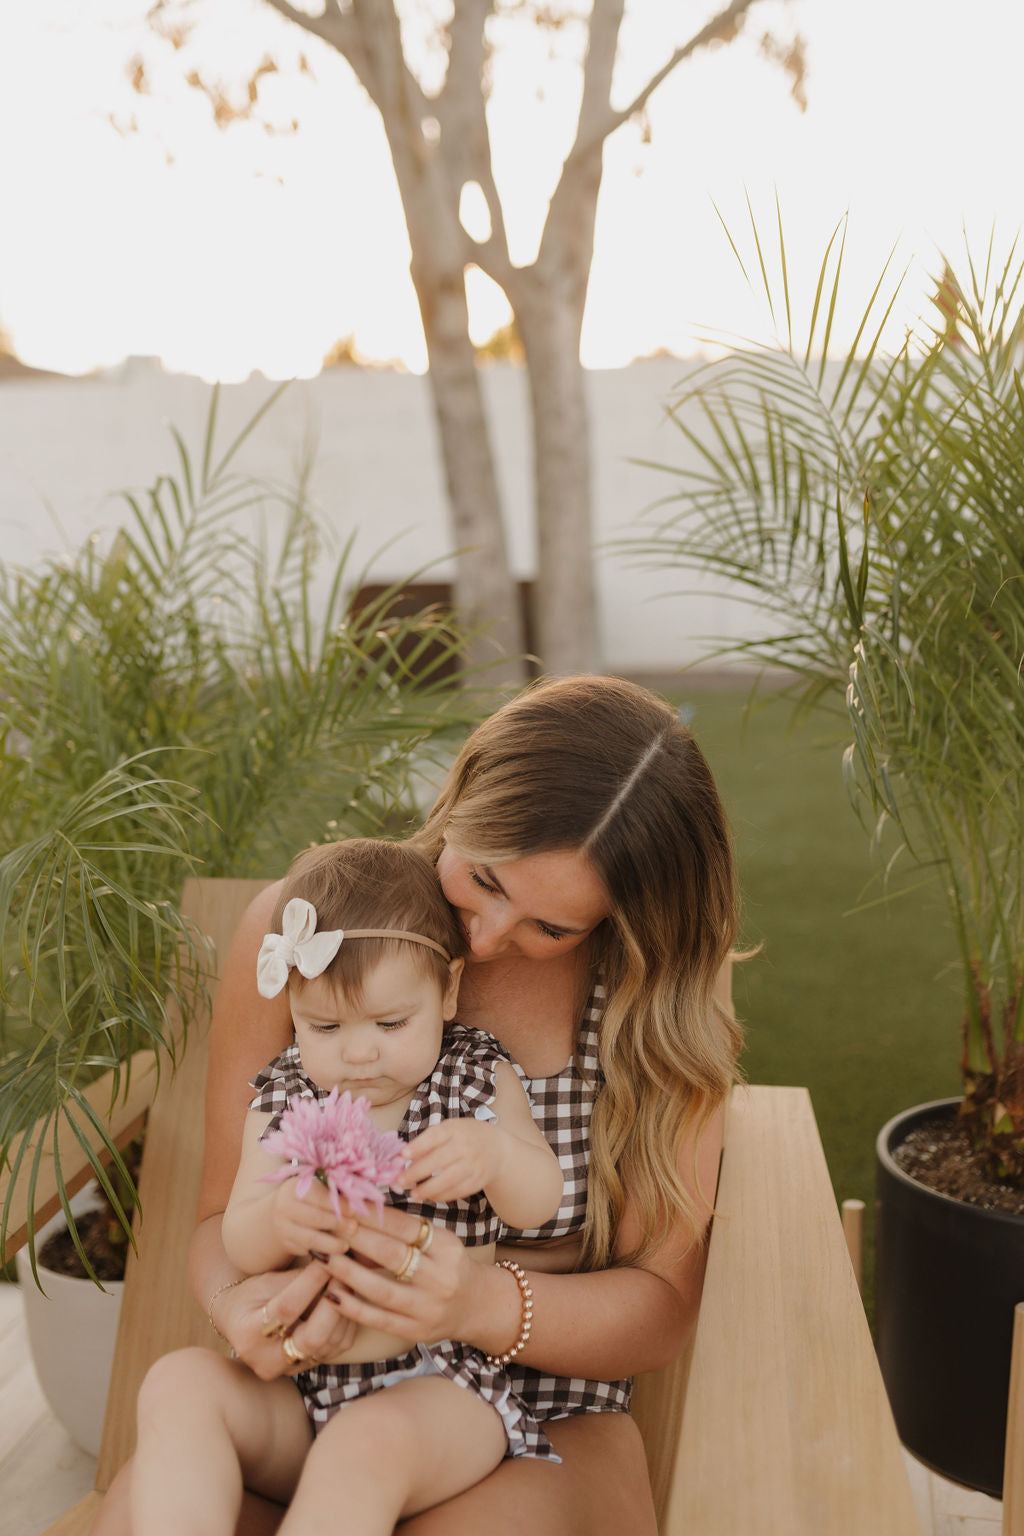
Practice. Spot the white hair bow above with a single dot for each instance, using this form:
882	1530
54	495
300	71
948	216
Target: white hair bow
299	944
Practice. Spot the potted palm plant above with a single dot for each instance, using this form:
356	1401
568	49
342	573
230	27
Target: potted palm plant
198	692
871	508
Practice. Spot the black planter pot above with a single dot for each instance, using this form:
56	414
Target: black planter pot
947	1280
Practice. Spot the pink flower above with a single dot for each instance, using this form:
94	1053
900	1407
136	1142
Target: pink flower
334	1140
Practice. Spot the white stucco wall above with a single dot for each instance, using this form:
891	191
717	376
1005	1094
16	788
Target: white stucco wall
68	446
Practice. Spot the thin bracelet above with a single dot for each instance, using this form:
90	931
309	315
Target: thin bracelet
526	1320
227	1286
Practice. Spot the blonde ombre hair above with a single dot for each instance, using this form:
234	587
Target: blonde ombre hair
600	765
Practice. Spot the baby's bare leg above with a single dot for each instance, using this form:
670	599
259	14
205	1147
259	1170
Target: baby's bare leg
206	1427
391	1454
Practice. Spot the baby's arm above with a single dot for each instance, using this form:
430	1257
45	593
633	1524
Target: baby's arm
507	1158
266	1225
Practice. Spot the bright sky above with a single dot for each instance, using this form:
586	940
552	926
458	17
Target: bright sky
228	252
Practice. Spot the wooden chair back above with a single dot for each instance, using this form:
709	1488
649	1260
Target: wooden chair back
774	1422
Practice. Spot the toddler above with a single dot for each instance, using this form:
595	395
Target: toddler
368	948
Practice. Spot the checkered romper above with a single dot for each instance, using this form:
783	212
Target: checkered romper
461	1084
562	1107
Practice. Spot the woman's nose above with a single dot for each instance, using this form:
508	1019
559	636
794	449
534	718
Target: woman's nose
489	936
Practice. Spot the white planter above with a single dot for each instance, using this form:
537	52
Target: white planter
71	1332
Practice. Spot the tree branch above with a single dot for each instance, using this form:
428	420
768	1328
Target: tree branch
332	25
573	203
465	139
722	27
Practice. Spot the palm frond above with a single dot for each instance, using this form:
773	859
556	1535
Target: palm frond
871	508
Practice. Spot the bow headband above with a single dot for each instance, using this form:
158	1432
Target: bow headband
300	945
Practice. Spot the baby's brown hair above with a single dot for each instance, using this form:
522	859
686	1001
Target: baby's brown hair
368	883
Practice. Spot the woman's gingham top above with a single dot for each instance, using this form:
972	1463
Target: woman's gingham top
562	1106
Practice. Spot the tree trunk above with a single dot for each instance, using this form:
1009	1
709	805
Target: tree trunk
485	592
547	300
368	34
565	602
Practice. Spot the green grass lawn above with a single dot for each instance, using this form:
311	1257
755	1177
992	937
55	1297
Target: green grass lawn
860	1006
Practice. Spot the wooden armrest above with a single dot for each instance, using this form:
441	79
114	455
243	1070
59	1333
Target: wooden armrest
786	1428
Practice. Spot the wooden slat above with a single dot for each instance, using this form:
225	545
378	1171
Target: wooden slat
853	1230
124	1121
158	1312
786	1429
658	1396
1013	1477
79	1520
657	1406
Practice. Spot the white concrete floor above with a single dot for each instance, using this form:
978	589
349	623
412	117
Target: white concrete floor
42	1472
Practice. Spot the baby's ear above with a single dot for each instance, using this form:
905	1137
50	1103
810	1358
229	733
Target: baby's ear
451	991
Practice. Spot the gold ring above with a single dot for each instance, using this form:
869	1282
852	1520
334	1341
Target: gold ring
271	1329
299	1360
411	1265
425	1235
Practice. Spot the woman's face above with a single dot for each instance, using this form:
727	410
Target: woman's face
540	906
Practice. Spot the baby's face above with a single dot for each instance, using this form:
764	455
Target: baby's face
383	1046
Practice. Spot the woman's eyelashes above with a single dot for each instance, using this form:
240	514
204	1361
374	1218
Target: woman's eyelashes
549	933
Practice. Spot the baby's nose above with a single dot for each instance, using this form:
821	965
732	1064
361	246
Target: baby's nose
361	1046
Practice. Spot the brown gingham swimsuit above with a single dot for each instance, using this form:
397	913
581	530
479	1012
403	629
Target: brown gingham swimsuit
461	1084
562	1106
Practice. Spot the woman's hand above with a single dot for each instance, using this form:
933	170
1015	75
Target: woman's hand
296	1300
446	1294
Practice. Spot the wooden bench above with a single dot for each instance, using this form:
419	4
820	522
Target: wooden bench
774	1423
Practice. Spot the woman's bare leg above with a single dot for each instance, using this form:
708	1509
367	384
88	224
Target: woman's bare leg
392	1453
206	1426
600	1489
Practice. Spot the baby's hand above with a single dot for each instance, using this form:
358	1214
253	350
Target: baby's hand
454	1159
309	1225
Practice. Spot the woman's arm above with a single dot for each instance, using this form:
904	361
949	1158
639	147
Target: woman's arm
246	1031
606	1325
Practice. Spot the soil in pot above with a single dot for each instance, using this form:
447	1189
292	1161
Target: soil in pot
939	1155
106	1252
949	1273
99	1231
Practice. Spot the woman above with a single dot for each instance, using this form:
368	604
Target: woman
582	844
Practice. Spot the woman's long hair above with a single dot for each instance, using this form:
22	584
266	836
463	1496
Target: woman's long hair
601	765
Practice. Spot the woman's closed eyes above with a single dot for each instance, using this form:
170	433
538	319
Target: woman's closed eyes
493	890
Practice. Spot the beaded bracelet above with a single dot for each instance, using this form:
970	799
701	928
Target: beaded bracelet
526	1321
227	1286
